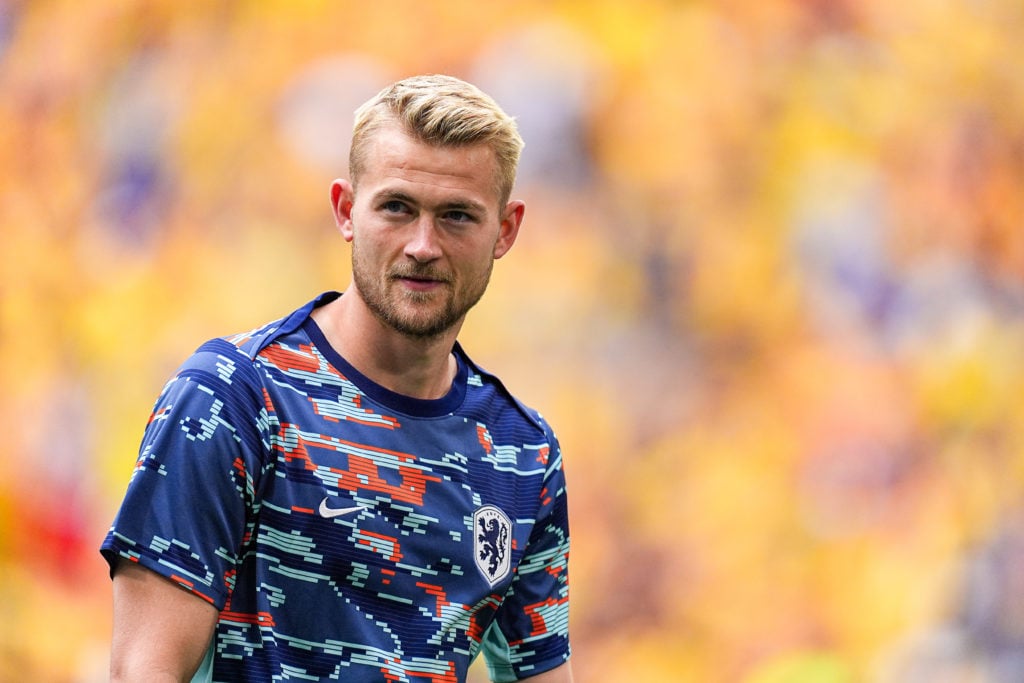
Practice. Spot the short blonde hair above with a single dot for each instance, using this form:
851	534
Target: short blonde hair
443	111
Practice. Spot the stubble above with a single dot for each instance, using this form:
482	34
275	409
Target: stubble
417	315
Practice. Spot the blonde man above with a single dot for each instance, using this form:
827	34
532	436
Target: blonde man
343	494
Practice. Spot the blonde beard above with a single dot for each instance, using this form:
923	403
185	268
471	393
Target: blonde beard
386	301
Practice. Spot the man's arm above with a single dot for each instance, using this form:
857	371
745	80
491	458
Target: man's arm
560	674
161	631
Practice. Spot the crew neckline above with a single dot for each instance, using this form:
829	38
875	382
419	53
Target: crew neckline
408	405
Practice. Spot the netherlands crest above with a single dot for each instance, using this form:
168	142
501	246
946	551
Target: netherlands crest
492	543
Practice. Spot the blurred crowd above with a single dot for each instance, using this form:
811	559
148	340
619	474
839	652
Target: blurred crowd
770	292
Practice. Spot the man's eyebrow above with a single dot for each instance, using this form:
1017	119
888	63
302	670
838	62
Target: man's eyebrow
464	205
391	195
452	205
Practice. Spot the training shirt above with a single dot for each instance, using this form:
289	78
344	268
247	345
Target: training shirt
346	532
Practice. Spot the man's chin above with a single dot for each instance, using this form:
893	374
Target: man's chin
420	324
421	332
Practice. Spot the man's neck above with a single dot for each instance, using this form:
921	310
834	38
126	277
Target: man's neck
419	368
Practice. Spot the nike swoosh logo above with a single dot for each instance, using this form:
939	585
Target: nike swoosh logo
328	512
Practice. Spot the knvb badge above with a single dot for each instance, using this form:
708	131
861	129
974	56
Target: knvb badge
492	543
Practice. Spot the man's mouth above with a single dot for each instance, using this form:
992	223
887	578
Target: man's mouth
420	281
426	278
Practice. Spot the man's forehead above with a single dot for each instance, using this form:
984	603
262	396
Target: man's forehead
400	162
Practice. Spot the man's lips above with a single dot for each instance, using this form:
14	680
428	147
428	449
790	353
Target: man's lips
420	283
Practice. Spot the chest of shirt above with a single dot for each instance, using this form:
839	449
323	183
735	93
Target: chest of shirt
398	507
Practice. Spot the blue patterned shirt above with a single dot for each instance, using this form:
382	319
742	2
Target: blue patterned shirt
346	532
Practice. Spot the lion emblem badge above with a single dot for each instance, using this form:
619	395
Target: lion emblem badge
492	543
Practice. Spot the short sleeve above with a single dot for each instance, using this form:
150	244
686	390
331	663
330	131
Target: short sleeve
188	506
530	633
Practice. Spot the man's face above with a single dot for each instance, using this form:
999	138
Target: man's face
425	226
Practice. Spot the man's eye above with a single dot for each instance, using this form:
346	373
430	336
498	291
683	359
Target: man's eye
393	206
459	217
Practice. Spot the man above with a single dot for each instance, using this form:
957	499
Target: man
343	494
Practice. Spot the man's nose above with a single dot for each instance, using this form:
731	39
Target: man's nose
424	244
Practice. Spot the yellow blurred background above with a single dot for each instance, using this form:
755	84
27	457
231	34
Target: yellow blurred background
770	292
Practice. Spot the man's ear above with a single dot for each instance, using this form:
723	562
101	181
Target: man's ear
342	198
511	219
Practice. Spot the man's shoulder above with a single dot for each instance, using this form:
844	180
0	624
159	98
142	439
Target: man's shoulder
488	395
254	341
232	357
